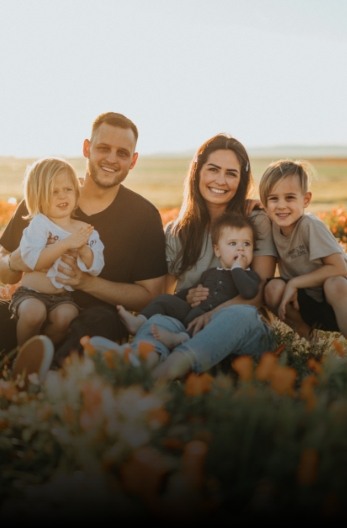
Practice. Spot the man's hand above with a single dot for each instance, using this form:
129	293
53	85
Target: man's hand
74	275
17	262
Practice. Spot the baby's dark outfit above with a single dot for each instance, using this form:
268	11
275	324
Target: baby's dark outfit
223	285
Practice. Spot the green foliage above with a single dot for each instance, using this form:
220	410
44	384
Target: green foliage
101	438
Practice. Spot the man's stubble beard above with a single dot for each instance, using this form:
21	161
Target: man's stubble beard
93	173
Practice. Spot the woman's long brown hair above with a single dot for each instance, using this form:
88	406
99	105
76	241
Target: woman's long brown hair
193	219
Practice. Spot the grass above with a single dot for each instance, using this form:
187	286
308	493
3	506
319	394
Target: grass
160	179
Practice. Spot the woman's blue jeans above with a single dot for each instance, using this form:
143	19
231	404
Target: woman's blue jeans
236	329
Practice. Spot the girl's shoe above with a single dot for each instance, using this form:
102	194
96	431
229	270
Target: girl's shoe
34	357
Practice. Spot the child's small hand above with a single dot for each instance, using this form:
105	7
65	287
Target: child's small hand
240	261
80	237
290	296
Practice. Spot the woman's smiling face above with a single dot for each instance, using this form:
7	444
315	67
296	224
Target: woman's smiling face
220	178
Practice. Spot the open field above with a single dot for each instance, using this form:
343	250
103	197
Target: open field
160	178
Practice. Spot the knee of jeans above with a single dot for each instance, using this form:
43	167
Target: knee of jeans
240	311
156	319
165	321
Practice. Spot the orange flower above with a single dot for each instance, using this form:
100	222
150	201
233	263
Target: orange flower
168	214
145	349
91	395
266	366
243	365
308	467
158	417
283	379
6	211
110	358
7	290
127	353
197	384
341	352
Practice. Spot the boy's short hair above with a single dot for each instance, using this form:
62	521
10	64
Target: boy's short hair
278	170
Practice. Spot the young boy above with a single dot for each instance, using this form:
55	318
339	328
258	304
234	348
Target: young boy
311	291
233	242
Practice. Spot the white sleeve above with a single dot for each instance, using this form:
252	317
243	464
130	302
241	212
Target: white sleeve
33	241
97	248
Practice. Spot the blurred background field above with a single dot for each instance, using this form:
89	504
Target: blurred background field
160	178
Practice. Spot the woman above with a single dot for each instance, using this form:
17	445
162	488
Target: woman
219	180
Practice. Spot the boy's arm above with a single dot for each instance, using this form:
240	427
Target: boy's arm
333	266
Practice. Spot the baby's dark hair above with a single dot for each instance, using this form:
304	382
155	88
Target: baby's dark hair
229	219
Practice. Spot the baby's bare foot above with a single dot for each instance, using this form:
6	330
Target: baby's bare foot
132	322
169	339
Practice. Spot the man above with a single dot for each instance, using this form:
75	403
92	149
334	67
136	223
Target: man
129	226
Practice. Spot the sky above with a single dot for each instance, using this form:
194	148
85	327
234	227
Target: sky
269	72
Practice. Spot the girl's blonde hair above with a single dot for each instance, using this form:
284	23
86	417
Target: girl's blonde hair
39	181
278	170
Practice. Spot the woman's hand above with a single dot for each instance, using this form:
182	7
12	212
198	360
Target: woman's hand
252	204
196	295
199	322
